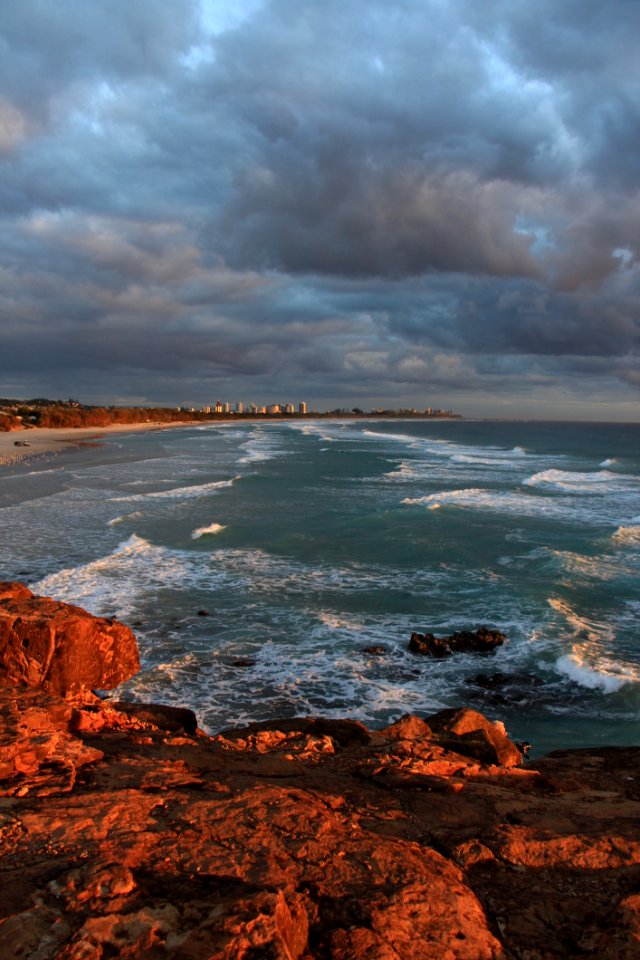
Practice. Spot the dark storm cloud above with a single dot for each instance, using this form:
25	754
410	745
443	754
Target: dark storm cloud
362	198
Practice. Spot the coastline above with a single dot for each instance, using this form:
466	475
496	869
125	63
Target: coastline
43	440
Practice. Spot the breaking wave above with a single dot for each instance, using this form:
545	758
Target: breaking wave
477	498
606	677
566	481
183	493
212	529
404	471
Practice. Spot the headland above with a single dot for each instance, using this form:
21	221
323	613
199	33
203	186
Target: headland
128	832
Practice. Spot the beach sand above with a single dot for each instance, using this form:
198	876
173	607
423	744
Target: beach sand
51	440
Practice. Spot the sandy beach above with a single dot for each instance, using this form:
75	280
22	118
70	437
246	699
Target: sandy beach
52	440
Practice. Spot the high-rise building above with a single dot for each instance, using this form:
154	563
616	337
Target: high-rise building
218	407
302	407
239	407
289	408
275	408
225	408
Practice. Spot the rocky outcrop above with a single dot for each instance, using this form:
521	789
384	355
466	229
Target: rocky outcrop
59	647
124	835
481	640
122	839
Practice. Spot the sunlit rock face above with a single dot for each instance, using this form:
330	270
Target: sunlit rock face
128	832
59	647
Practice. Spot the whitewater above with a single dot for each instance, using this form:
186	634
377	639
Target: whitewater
260	564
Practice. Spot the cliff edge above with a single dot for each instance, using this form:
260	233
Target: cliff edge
127	832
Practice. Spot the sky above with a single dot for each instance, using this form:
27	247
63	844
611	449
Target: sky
348	202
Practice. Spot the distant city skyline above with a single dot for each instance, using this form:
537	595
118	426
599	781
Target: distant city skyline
360	203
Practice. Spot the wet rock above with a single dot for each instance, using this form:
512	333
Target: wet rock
344	732
203	613
61	647
172	719
481	640
377	650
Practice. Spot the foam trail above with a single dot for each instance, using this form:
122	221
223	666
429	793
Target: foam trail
594	633
402	437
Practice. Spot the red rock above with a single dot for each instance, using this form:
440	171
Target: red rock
344	732
187	848
408	727
305	840
11	590
473	735
59	647
458	720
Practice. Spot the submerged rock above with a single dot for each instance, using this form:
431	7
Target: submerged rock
481	640
506	689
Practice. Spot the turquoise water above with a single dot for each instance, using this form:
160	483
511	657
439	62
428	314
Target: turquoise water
306	542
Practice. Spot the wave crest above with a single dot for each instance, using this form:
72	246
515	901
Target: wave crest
183	493
605	677
212	529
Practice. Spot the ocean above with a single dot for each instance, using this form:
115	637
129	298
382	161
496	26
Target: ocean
256	562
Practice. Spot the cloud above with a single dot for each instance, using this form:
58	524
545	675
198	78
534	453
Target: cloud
355	197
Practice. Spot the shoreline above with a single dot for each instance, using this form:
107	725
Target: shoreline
44	440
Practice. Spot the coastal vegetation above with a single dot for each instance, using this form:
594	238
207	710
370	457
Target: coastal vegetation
67	414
